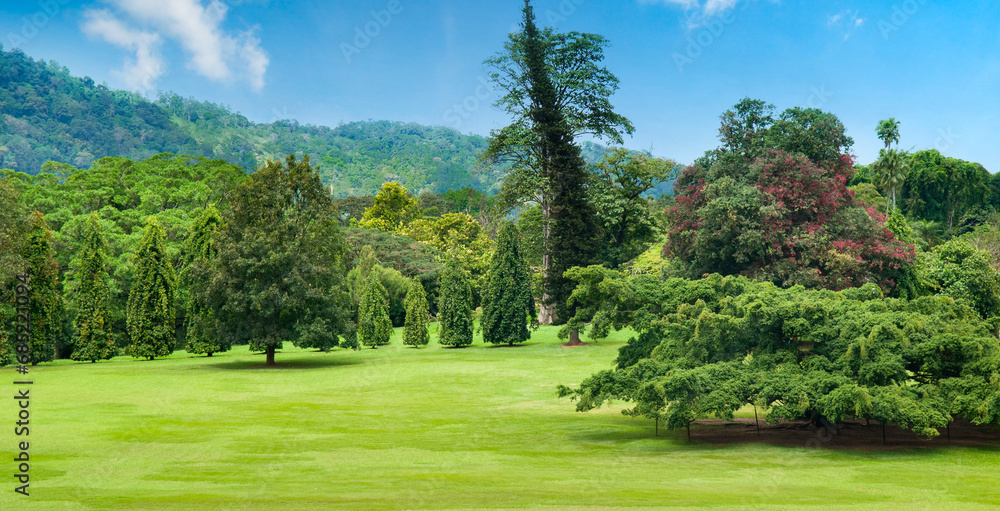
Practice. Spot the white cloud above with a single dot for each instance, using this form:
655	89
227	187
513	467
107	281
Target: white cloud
141	72
851	22
197	27
699	11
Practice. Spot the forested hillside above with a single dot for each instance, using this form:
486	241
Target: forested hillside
50	115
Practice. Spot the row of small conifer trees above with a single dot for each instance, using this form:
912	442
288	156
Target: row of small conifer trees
508	305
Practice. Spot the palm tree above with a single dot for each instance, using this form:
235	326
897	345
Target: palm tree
888	131
891	169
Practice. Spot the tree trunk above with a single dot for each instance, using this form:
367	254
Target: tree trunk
547	311
574	338
883	432
689	430
270	354
657	426
755	419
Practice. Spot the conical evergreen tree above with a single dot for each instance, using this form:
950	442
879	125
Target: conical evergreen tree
150	310
455	307
374	326
417	312
507	300
199	252
93	340
46	300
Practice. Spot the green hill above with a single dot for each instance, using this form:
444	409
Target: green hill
47	114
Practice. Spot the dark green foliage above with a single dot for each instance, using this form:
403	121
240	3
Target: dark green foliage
417	316
150	312
708	347
939	188
12	222
199	254
46	297
455	308
413	259
958	270
280	266
508	304
91	298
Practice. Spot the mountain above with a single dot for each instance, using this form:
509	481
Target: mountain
47	114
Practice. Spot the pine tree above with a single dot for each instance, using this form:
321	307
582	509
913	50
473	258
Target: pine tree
46	301
93	340
150	310
507	300
417	312
455	307
199	252
374	327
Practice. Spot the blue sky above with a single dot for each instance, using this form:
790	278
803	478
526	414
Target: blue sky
933	65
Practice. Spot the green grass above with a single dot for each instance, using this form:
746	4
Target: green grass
432	428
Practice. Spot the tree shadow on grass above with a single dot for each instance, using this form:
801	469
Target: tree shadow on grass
287	365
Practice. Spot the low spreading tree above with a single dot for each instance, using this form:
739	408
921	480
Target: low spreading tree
199	253
93	339
150	311
707	347
455	308
46	306
508	305
374	327
415	329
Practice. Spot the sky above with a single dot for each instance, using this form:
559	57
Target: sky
933	65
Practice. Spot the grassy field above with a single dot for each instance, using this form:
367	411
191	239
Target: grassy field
401	428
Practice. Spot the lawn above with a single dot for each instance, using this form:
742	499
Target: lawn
402	428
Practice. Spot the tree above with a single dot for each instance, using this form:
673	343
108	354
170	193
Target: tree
942	189
707	347
891	169
279	271
374	327
888	131
745	127
415	329
555	90
616	191
393	208
455	308
199	253
460	237
46	306
782	217
150	312
507	301
93	339
11	228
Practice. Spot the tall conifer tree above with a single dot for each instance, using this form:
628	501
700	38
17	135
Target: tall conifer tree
150	310
374	326
507	300
199	252
46	300
93	340
455	307
573	227
415	328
